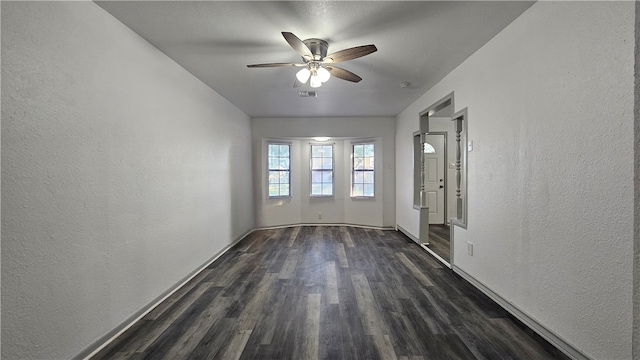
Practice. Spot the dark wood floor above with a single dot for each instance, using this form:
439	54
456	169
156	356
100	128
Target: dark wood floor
439	241
328	293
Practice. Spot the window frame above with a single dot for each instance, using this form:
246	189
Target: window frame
275	142
333	170
353	170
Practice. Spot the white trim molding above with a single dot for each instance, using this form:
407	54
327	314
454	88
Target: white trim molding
425	247
125	325
530	322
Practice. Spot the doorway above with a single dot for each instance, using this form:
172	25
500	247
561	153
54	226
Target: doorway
440	183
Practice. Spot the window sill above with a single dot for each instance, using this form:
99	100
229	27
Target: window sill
363	197
278	197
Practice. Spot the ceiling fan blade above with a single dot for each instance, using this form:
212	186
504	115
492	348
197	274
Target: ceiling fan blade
349	54
343	74
298	45
297	83
274	65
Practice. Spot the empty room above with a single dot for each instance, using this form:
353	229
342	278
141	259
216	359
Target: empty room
320	180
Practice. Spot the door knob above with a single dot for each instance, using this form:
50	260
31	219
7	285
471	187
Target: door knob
441	186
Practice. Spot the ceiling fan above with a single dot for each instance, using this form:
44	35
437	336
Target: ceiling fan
317	66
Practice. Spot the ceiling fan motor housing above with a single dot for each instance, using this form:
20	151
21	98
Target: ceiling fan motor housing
318	48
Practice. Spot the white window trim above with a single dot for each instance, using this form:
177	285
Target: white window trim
277	142
333	169
351	173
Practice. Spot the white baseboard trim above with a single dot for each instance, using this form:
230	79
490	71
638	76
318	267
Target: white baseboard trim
384	228
533	324
408	234
425	247
125	325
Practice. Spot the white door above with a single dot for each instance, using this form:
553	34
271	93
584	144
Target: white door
434	183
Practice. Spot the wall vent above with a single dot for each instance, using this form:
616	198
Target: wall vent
304	93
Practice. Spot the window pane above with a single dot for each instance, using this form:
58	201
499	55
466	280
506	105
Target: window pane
358	177
278	161
358	150
362	172
274	177
327	150
321	166
273	150
368	163
316	177
273	163
368	189
358	163
368	150
429	149
368	177
284	177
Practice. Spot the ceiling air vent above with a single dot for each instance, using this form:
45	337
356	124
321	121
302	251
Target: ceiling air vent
305	93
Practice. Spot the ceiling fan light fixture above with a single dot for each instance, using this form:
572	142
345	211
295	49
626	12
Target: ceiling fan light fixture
303	75
323	74
315	81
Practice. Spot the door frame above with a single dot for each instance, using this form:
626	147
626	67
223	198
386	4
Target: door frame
446	101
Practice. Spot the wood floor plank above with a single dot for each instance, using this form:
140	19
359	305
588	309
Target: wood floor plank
235	271
366	304
239	339
293	236
421	277
346	237
331	339
289	265
159	325
253	309
162	307
328	292
215	341
312	328
190	338
332	283
342	256
439	240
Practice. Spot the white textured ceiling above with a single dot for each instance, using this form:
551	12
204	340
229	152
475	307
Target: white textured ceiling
418	42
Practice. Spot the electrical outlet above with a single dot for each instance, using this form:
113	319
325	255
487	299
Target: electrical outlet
469	248
320	216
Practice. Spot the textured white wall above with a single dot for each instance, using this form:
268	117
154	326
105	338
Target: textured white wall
340	208
121	174
550	106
